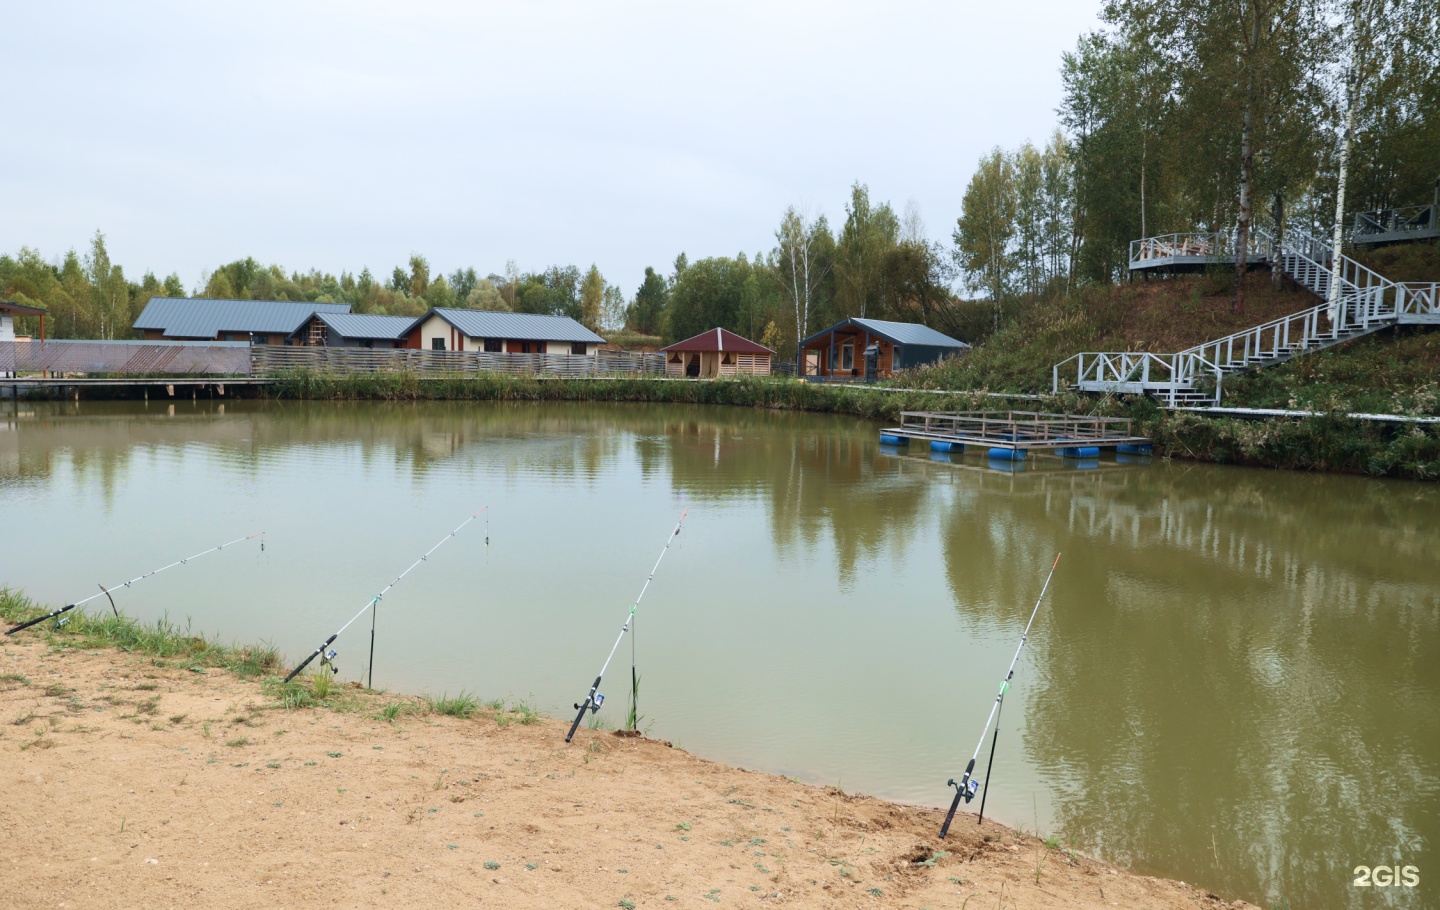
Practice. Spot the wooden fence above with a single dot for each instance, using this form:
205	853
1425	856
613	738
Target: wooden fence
266	360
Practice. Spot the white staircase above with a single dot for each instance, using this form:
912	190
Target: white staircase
1367	303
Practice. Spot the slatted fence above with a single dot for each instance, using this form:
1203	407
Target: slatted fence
126	358
267	360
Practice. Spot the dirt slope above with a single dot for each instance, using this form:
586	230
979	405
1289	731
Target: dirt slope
132	784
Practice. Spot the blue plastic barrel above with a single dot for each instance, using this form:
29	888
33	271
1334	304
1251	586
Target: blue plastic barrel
1079	452
937	445
888	440
1145	449
1007	454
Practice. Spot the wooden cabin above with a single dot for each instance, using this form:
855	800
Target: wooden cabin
444	329
869	349
716	353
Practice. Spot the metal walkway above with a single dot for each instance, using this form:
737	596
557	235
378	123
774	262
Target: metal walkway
1367	303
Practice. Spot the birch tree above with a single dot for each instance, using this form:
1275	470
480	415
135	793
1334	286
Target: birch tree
986	227
800	262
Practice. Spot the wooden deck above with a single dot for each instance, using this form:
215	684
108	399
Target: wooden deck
1016	431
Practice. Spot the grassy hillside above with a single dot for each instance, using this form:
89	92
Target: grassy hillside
1394	371
1162	315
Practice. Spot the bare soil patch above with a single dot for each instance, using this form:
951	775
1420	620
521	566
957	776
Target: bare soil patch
131	782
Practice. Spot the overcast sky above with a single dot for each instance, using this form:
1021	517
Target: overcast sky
351	134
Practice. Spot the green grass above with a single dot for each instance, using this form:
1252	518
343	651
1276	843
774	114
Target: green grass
161	639
461	705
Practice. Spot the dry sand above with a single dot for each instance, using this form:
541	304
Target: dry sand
130	784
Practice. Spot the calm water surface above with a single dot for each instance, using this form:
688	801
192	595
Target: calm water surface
1235	679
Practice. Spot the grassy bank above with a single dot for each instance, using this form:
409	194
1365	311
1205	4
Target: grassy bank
168	645
162	640
1328	442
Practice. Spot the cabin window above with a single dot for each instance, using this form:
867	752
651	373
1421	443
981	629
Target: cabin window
578	348
847	355
493	345
367	342
674	357
260	339
437	344
727	358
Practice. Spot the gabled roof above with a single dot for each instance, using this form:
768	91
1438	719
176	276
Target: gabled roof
901	333
365	325
719	340
20	308
519	326
206	317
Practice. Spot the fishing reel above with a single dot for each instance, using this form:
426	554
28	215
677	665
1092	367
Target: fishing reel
328	660
60	621
967	787
593	703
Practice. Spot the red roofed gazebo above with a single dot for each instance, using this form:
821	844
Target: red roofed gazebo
717	352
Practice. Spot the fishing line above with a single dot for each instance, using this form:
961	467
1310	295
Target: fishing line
594	699
105	592
968	785
373	604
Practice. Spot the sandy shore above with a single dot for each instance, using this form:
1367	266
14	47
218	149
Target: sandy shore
133	782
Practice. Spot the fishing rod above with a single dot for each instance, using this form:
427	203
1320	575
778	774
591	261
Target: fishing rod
594	699
968	785
105	592
327	657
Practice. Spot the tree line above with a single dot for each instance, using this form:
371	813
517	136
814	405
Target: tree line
1177	115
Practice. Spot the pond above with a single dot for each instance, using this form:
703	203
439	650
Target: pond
1234	679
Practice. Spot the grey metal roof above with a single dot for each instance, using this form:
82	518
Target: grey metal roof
206	317
520	326
898	333
364	325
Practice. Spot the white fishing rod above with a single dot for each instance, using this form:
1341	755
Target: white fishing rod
968	785
374	604
594	699
105	592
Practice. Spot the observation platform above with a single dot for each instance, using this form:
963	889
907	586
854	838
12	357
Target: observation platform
1192	252
1011	435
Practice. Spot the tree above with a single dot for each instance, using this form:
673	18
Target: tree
612	309
399	281
486	296
439	294
419	275
801	262
1244	72
463	281
651	299
592	298
986	226
869	233
916	287
109	294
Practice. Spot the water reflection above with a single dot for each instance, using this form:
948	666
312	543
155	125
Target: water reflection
1236	680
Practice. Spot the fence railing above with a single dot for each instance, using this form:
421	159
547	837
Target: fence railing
1409	219
1204	244
1136	372
133	358
267	360
1415	299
